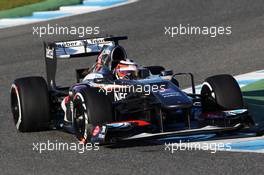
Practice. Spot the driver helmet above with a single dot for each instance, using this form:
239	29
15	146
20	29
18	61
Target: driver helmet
126	69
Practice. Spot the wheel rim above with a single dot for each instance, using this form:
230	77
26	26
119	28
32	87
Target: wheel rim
81	114
208	97
15	106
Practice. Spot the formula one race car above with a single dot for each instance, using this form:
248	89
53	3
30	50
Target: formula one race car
117	100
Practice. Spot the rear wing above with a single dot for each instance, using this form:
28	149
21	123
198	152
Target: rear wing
73	48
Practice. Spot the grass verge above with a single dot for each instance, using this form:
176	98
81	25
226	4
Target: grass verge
27	10
253	95
7	4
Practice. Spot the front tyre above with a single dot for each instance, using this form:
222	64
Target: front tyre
30	104
221	92
91	108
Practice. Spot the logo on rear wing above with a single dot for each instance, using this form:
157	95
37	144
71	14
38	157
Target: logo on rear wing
77	47
78	43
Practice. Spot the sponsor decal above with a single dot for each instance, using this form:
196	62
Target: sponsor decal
82	42
70	44
120	96
170	93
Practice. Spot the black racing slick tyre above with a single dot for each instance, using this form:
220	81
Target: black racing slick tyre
30	104
221	92
92	108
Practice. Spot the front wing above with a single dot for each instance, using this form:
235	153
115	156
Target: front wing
129	131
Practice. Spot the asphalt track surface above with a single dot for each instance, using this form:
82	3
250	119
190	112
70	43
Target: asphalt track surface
143	22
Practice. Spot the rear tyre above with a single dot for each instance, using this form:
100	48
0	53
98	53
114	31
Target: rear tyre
30	104
221	92
92	108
